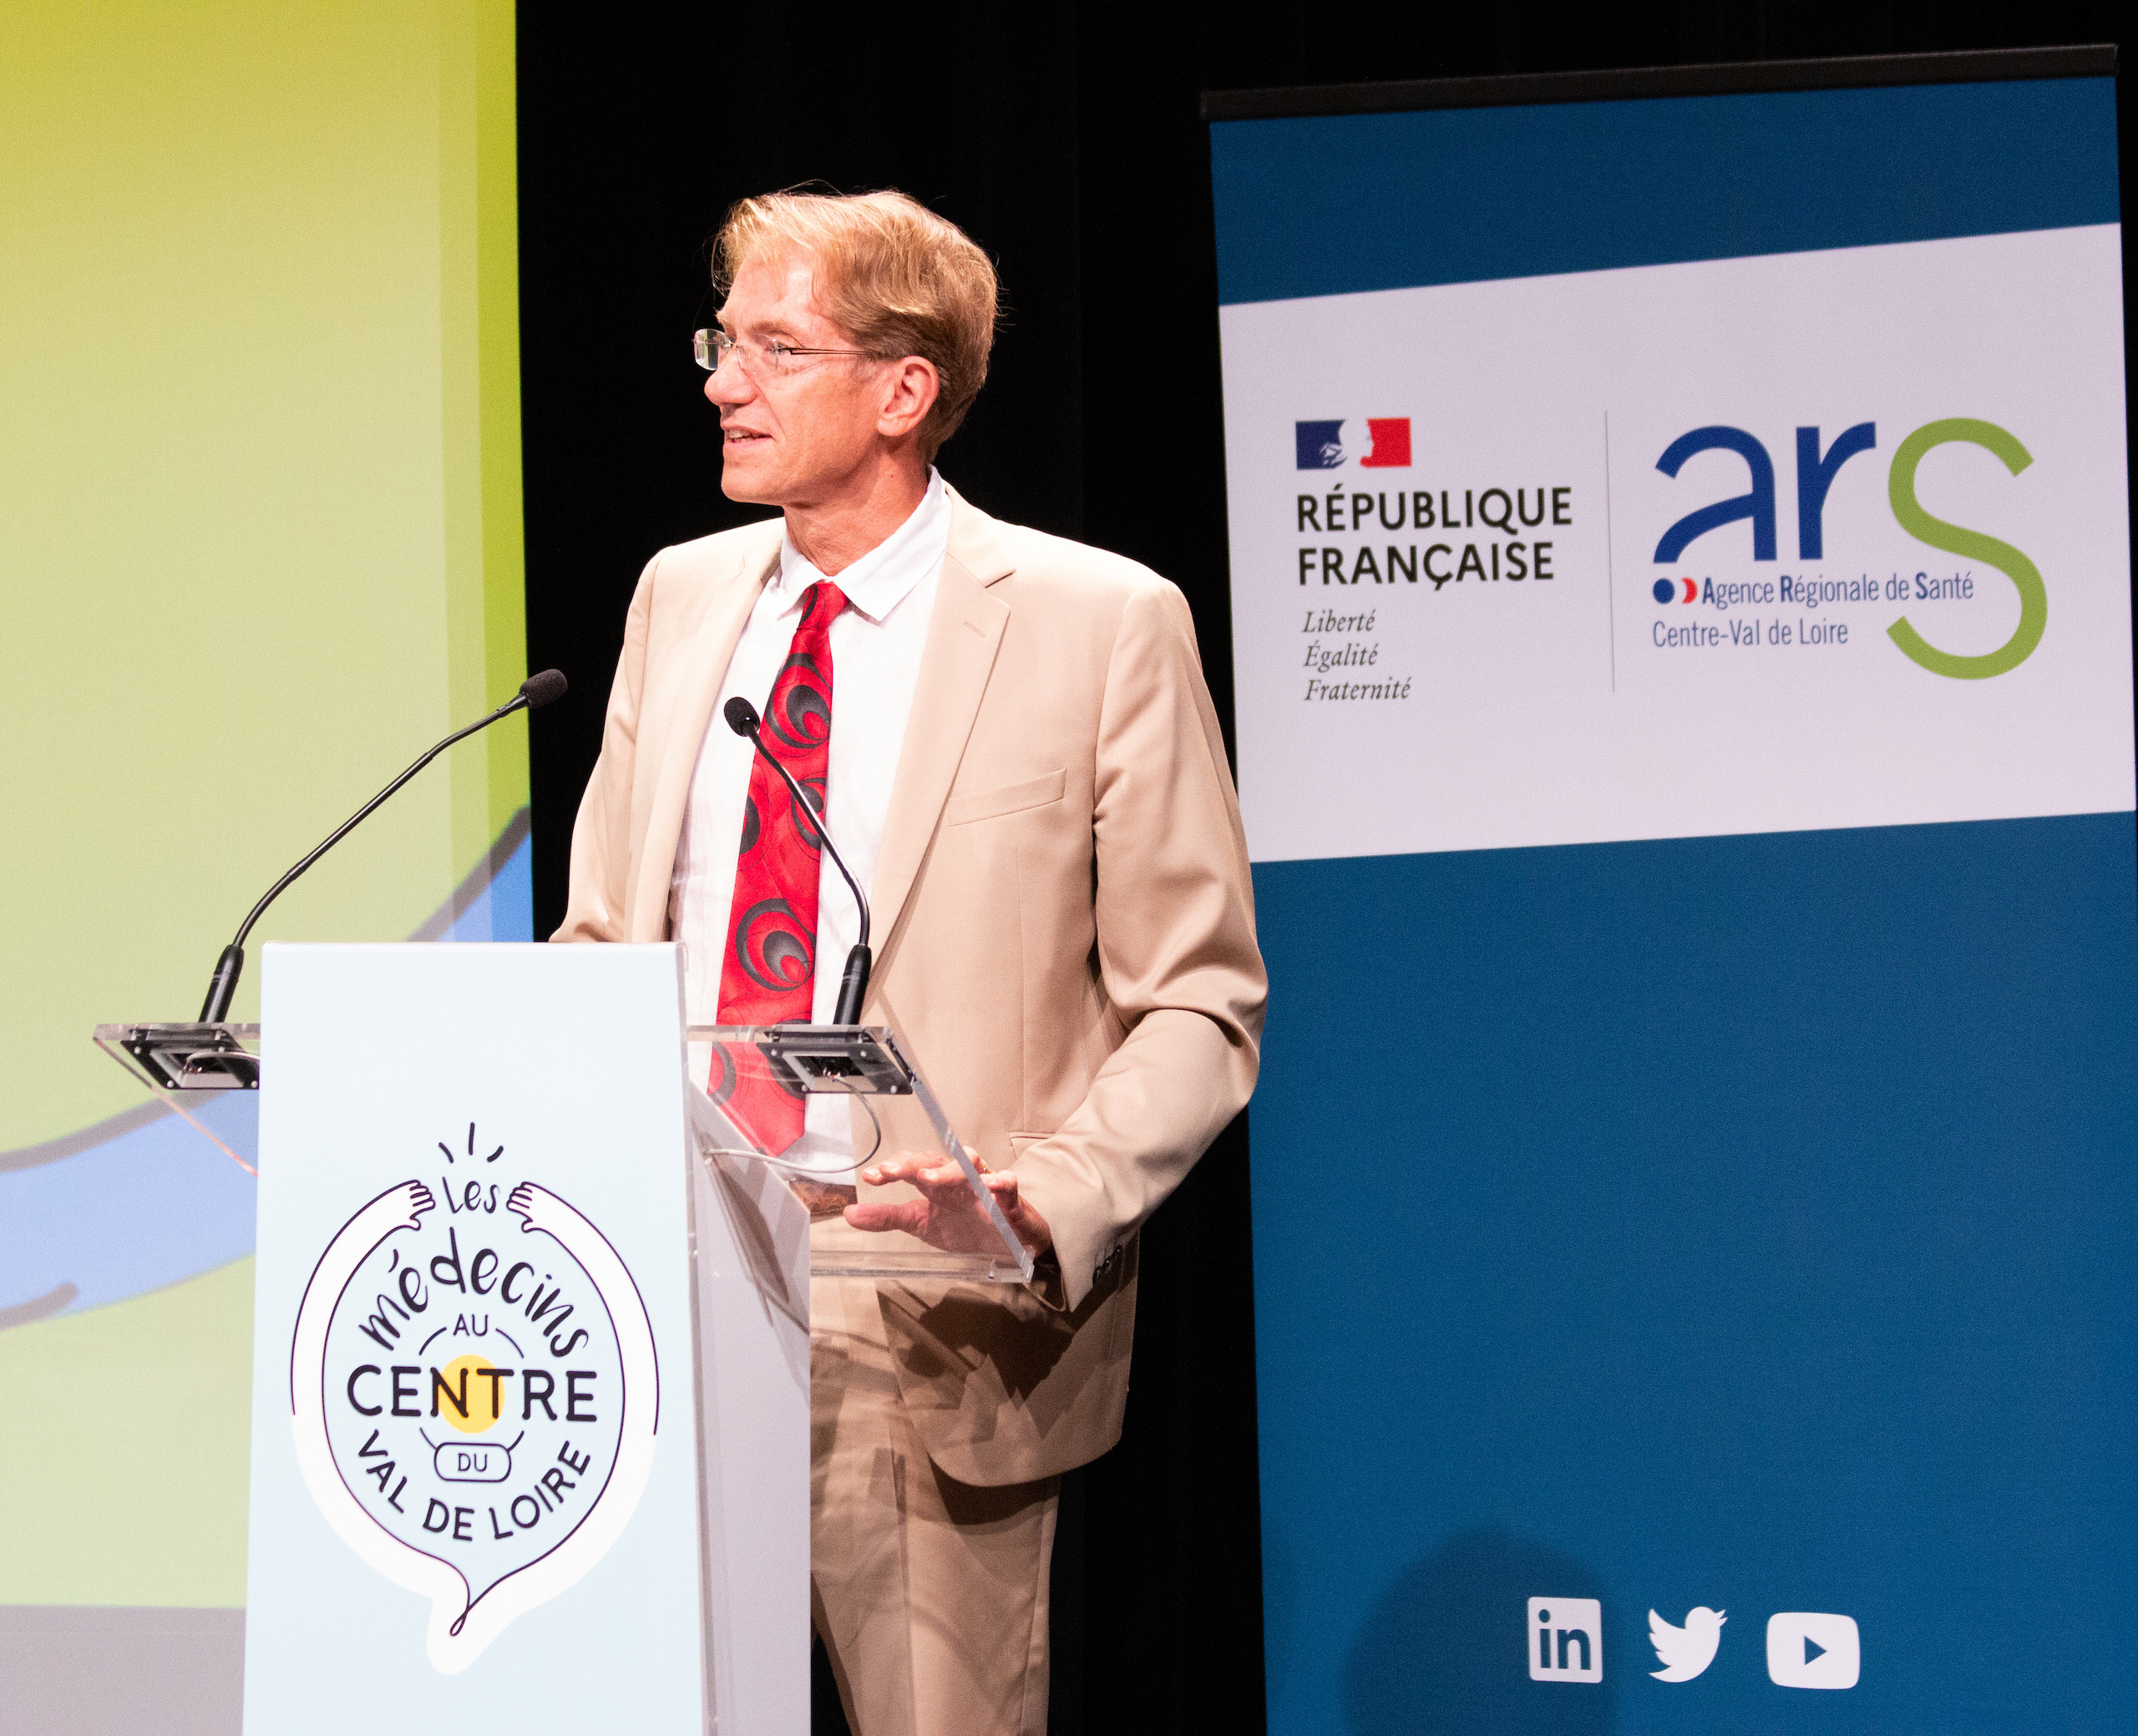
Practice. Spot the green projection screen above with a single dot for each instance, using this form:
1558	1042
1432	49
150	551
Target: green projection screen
260	542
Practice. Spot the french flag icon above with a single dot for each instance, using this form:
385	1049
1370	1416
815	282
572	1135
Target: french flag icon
1323	445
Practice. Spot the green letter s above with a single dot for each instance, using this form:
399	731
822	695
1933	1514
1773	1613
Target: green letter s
2034	595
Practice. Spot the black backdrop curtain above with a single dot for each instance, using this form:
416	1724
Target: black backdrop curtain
1066	140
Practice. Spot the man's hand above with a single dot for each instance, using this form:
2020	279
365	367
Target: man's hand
946	1215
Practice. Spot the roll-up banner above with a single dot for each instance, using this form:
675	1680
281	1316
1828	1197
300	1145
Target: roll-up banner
1681	599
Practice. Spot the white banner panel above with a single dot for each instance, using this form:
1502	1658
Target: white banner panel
1448	633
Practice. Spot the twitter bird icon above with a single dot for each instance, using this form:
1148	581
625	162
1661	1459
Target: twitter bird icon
1685	1651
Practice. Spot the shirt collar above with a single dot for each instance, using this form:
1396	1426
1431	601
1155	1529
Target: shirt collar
884	577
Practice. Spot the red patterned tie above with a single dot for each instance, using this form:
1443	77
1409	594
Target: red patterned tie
768	972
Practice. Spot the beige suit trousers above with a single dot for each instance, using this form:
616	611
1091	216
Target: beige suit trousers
930	1595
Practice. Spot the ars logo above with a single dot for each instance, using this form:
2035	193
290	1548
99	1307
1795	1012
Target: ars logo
1385	441
474	1396
1817	466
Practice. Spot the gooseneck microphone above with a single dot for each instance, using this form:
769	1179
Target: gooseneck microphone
536	691
853	983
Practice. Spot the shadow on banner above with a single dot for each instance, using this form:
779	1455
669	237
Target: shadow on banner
1437	1653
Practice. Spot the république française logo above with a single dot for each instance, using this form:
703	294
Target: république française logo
1816	467
474	1395
1461	515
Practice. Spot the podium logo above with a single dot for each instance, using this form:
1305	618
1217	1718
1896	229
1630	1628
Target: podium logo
1805	1650
1326	445
1566	1639
474	1396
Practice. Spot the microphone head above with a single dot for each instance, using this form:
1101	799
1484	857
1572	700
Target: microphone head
740	714
539	689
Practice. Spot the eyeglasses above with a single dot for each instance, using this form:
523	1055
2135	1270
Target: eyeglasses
712	346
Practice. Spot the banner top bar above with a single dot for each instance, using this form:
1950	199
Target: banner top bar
1725	79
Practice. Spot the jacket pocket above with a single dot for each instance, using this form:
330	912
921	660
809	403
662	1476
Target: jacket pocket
1011	798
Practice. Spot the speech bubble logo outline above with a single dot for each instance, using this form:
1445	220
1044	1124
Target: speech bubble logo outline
463	1621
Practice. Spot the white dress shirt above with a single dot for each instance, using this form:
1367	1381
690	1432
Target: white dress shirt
876	645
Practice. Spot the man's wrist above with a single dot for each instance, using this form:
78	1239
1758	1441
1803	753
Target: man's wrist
1046	1281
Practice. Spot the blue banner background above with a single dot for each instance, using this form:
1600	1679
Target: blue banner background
1741	1220
1335	204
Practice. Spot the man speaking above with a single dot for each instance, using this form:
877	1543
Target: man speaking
1020	763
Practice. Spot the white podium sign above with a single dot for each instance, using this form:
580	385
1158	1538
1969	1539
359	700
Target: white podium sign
530	1380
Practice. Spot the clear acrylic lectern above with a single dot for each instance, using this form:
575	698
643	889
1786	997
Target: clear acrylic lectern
531	1326
894	1112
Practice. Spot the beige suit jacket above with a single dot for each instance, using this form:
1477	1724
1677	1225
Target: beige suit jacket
1064	925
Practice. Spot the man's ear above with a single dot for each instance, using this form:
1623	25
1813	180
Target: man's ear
910	389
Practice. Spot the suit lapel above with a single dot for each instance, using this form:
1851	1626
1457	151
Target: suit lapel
705	658
963	635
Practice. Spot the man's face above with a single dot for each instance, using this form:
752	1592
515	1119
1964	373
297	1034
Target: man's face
792	436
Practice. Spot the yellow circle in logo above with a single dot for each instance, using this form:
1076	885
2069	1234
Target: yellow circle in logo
463	1383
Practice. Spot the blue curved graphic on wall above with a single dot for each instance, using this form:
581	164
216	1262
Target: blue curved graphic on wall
152	1203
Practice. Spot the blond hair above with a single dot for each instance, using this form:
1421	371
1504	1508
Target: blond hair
897	278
